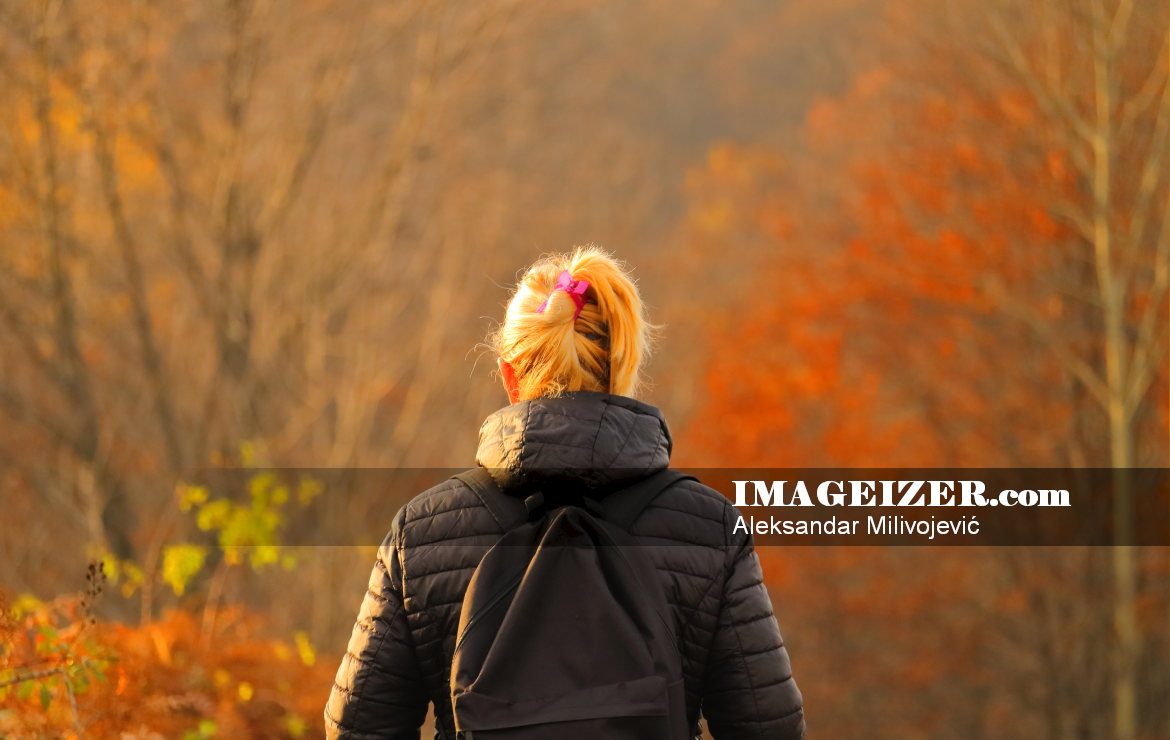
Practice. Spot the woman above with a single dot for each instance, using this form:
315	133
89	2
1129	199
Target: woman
570	349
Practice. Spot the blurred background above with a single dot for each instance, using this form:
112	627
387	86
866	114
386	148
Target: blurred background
269	235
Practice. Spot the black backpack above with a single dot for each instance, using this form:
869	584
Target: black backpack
565	630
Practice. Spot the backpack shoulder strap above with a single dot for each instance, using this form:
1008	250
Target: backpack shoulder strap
508	511
622	507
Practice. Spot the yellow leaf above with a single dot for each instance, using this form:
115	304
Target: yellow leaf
191	496
25	604
180	564
305	648
296	725
308	489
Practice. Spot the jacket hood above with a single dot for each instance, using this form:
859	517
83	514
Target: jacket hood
581	437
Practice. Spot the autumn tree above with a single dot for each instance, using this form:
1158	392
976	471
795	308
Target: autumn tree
967	266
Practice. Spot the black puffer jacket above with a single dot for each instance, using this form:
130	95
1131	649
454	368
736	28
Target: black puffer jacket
735	665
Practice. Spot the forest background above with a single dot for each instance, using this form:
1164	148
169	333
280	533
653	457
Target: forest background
274	235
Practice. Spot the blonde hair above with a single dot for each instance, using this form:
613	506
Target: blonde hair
602	350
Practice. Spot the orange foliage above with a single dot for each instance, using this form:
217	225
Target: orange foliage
171	678
873	336
884	330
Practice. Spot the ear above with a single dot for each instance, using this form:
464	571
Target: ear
511	385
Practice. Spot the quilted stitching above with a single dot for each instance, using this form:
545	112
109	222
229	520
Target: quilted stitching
736	668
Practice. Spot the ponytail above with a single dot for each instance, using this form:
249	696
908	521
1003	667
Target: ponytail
602	349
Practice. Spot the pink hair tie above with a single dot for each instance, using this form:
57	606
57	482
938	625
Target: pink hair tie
575	288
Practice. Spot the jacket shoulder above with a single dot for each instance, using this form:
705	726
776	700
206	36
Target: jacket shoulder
688	512
449	510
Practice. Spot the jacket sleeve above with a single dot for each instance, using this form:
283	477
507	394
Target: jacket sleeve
749	691
378	691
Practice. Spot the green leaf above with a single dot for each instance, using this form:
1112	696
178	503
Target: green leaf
46	697
80	684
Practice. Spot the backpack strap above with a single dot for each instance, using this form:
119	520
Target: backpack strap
508	511
622	507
